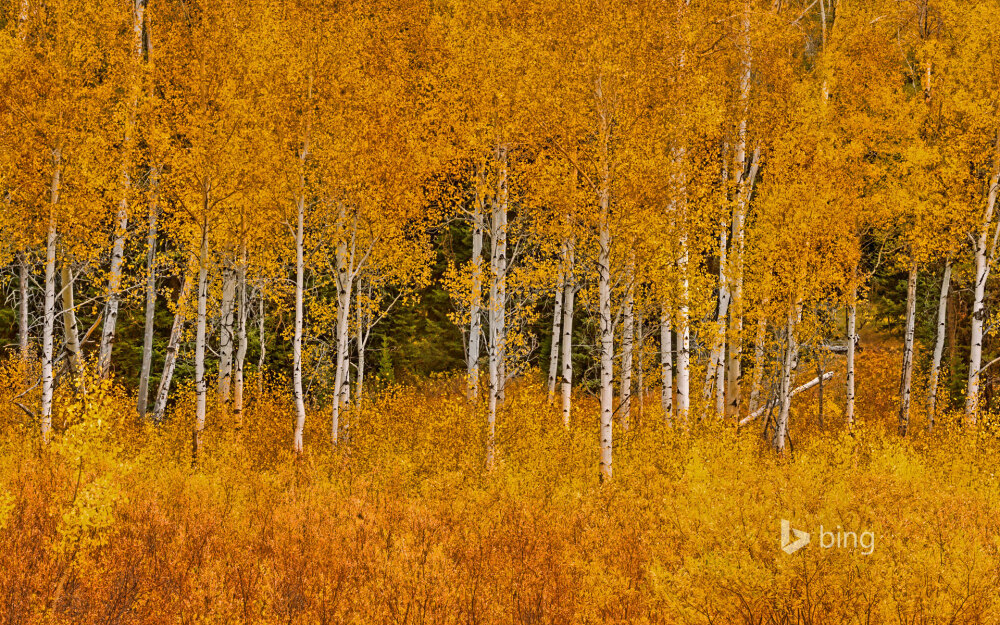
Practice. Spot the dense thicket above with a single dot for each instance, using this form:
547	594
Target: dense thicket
711	199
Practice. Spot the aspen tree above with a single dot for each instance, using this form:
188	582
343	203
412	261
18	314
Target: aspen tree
667	366
475	312
556	319
121	227
940	328
907	376
569	304
498	300
628	340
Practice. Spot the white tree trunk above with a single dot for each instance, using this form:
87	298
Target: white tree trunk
148	327
942	318
984	259
683	339
227	322
475	310
607	338
199	346
24	332
569	295
787	373
241	337
359	386
48	329
805	387
173	346
261	318
744	185
556	318
498	304
300	406
70	330
628	341
345	283
118	246
667	366
911	317
114	278
852	342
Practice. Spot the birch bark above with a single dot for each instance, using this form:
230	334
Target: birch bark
297	392
556	318
667	366
150	313
49	315
23	330
628	339
569	295
744	184
475	310
199	346
118	246
241	337
984	258
942	317
498	304
70	330
852	342
907	376
345	283
227	323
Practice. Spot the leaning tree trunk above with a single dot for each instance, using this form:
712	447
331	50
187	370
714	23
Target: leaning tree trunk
787	371
556	318
199	345
227	323
173	346
667	366
628	340
938	345
148	327
984	259
300	406
911	316
475	309
498	305
569	295
49	314
241	337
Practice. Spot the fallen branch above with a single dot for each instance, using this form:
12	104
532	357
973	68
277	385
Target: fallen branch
805	387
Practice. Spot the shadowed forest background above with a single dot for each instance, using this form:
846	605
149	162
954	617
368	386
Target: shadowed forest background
488	312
